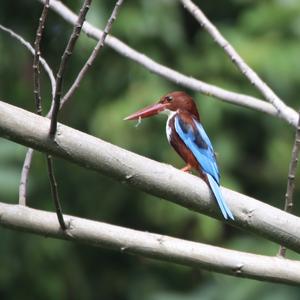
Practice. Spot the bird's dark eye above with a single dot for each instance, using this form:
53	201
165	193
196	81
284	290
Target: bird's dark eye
169	98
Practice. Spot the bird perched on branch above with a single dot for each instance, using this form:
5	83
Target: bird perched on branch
188	137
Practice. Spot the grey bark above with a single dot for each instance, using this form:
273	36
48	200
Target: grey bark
151	245
148	175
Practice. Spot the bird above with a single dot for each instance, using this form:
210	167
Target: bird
187	136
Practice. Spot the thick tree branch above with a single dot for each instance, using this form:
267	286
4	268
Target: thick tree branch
151	245
281	107
163	181
172	75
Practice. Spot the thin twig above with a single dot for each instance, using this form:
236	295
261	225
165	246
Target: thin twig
31	49
38	101
94	54
236	58
288	206
81	74
290	116
36	60
24	177
54	190
65	57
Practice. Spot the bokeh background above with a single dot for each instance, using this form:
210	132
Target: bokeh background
253	149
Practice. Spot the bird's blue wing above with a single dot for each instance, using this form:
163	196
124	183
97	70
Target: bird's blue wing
196	139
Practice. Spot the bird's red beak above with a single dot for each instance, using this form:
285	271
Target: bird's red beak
146	112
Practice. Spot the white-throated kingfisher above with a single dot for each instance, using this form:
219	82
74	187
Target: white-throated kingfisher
188	137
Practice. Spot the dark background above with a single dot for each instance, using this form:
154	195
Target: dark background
253	148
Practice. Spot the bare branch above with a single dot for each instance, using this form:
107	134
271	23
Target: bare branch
31	49
94	54
98	234
24	177
283	110
83	71
38	101
65	57
54	192
163	181
172	75
36	59
288	206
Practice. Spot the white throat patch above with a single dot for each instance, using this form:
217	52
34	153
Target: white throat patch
170	114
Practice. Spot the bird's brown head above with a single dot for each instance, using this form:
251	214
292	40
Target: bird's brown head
171	102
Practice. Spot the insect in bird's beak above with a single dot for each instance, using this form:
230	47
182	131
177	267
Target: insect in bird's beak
138	122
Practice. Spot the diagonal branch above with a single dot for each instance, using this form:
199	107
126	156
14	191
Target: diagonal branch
65	57
163	181
281	107
172	75
94	54
234	263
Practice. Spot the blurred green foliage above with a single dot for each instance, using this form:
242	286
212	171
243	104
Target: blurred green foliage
253	149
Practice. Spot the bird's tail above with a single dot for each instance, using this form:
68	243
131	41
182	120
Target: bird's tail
219	197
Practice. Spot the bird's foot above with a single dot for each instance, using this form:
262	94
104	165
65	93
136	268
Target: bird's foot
187	168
